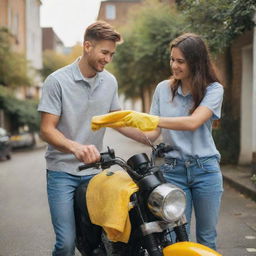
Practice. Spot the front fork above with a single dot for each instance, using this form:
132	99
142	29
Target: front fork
180	230
152	231
181	233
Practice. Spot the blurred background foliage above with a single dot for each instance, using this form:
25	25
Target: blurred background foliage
20	112
13	66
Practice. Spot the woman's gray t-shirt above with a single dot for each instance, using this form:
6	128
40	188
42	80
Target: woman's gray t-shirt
187	144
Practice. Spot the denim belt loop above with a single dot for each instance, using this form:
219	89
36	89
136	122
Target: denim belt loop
199	163
174	162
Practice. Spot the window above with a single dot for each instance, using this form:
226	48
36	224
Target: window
15	25
110	12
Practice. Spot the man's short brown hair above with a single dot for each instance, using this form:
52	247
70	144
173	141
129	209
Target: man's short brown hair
101	30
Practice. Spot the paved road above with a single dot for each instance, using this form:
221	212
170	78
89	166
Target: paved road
25	228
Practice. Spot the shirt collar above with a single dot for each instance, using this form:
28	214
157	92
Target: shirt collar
76	71
179	91
78	75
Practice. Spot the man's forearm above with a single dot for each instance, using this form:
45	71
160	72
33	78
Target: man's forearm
58	140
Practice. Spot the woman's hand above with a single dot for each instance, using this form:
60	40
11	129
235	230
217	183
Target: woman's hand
127	118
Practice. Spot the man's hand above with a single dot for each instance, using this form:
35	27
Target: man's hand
86	153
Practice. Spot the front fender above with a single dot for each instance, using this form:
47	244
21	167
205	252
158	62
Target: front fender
189	249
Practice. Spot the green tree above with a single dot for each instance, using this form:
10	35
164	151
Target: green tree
219	21
13	66
20	112
52	61
143	59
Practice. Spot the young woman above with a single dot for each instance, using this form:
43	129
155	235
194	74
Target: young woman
188	104
183	110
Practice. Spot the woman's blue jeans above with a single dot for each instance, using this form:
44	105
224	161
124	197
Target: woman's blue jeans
61	188
202	181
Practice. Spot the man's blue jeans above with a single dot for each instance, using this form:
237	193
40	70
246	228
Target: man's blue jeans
202	181
61	188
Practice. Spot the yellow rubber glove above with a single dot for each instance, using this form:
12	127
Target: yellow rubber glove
142	121
113	120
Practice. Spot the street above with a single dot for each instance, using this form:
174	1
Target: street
25	226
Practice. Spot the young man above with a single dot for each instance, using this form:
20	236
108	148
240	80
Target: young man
71	96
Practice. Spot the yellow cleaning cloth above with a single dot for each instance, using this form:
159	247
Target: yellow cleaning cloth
142	121
108	198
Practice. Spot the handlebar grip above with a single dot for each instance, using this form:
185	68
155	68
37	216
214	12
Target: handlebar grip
167	149
86	166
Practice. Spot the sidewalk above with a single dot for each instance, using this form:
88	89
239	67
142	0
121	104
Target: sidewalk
239	178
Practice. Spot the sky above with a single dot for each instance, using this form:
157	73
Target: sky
69	18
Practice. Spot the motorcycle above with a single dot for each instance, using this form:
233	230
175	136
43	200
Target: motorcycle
156	216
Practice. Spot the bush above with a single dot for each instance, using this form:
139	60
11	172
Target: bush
227	140
20	112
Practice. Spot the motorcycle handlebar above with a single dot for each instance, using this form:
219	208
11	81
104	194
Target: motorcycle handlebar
162	149
106	160
167	148
87	166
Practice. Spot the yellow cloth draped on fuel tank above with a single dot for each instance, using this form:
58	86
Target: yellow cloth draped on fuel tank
108	198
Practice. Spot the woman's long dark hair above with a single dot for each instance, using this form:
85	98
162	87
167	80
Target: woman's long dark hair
197	57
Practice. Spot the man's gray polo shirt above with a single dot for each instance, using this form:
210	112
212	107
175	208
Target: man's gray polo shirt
66	94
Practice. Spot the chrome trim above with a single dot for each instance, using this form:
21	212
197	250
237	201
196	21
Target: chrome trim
157	198
160	226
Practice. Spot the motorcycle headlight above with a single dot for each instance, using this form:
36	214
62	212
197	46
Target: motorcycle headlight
167	202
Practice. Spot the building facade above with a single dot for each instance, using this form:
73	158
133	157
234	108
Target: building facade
116	12
22	19
51	41
33	33
12	16
244	48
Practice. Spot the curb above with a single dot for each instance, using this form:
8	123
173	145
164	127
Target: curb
241	188
239	177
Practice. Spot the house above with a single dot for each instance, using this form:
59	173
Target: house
33	33
243	52
12	16
51	41
116	12
239	78
34	45
22	18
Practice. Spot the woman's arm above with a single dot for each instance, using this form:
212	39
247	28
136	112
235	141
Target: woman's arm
138	135
187	123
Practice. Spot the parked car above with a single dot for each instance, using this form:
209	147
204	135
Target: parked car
5	144
24	139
